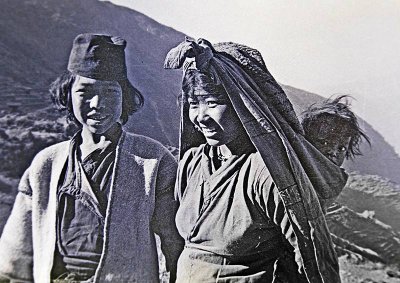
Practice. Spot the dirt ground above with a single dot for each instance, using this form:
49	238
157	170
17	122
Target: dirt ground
352	271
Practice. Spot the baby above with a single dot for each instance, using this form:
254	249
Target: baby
333	129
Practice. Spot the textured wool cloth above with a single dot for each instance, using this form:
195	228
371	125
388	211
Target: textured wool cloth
82	205
98	56
232	219
301	173
141	202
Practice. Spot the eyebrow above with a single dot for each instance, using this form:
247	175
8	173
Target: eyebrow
84	86
89	86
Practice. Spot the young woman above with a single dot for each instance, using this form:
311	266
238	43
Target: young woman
87	208
248	208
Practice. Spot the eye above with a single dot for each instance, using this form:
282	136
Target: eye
212	103
113	90
342	148
193	103
323	142
80	92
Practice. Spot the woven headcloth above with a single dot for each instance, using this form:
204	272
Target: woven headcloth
249	59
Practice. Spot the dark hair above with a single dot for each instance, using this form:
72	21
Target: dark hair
338	108
60	90
194	80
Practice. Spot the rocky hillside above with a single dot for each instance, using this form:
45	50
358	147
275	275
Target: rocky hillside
34	44
378	159
375	194
373	239
36	38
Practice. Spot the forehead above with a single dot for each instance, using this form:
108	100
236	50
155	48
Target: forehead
93	83
200	92
331	125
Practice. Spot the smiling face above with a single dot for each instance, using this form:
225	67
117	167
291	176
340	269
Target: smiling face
215	117
96	104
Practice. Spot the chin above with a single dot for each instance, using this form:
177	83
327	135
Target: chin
214	142
97	130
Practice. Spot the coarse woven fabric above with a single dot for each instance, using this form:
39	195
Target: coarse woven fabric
99	57
233	219
141	202
302	174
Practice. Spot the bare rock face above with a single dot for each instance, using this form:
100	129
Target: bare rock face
34	48
363	234
373	193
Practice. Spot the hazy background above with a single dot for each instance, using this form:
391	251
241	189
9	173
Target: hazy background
349	49
326	47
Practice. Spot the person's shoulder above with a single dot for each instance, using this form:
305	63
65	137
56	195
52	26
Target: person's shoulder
193	152
257	160
259	168
191	159
143	145
45	159
53	151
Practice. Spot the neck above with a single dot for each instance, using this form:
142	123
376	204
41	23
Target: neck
238	146
92	141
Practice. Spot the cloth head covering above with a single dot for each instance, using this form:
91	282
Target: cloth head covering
99	57
304	177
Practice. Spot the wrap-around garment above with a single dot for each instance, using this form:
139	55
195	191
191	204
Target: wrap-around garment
140	204
82	207
233	220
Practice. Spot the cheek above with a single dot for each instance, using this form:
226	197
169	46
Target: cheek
77	107
220	114
229	119
115	104
118	107
192	115
342	154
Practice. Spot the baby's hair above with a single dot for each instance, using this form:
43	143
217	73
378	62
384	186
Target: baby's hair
339	108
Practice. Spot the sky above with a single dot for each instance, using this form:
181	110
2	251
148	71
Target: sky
327	47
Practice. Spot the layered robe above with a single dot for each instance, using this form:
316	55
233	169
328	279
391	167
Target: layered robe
233	220
304	178
140	203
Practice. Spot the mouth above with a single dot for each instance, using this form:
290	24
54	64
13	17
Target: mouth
208	131
97	118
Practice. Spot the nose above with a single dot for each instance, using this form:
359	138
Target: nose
202	114
333	152
94	101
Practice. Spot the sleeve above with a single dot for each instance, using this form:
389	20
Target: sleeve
274	208
164	214
16	260
183	174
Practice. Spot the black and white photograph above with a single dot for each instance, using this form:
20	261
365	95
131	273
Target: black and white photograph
199	141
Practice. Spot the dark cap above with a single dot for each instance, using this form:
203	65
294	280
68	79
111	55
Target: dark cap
99	57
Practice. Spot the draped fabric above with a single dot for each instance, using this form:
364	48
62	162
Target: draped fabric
301	173
233	220
82	204
140	203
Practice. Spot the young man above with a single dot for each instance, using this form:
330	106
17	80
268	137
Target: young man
333	129
87	208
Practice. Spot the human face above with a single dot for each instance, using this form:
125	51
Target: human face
96	104
215	117
334	148
331	139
